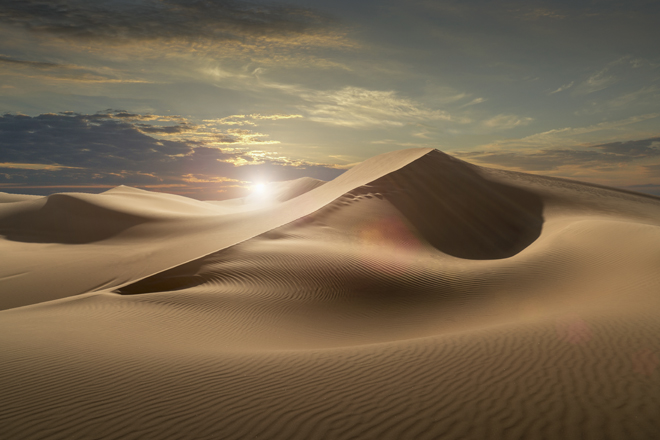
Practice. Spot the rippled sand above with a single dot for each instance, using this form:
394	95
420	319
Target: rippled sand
414	297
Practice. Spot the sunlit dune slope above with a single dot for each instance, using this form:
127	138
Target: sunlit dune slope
415	297
126	234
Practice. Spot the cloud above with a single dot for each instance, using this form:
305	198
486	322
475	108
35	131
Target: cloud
645	95
167	20
473	102
506	122
274	117
541	13
654	170
46	70
633	149
116	147
359	108
238	136
596	82
184	130
644	98
34	166
79	140
600	156
605	77
568	137
544	160
35	64
562	88
123	114
249	119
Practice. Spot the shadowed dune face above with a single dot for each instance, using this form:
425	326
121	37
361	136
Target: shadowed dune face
64	219
460	212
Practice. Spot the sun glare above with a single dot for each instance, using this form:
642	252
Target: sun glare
260	190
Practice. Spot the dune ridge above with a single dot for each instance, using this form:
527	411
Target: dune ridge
157	245
416	296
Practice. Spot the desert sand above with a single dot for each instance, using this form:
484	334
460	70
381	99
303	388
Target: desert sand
416	296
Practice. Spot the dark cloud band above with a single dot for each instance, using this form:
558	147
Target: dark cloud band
35	64
159	19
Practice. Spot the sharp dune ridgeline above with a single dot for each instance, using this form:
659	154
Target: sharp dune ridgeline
416	296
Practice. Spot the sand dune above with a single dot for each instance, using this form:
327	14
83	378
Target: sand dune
414	297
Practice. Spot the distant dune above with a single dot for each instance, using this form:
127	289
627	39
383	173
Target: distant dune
416	296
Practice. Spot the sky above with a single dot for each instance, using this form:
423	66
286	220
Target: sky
204	98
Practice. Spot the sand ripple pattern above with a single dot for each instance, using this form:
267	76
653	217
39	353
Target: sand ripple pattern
359	321
511	382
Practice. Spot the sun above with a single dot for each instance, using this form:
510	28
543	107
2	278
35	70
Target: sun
259	188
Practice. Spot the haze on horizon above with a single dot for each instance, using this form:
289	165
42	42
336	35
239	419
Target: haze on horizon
202	98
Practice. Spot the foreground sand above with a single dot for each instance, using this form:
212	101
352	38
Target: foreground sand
415	297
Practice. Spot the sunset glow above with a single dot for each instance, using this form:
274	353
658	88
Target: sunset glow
92	95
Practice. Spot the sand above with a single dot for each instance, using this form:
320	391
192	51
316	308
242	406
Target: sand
414	297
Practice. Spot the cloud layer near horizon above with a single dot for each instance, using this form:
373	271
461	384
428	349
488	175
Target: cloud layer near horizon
603	156
119	148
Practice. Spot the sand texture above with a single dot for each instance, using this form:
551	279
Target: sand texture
414	297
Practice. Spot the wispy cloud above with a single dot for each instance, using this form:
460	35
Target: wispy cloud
35	166
506	122
608	75
644	98
34	64
52	71
473	102
359	108
537	13
562	88
645	95
274	117
192	178
596	82
250	119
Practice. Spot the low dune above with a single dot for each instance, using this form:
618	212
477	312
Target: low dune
416	296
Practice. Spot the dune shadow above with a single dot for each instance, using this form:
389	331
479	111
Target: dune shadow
66	219
179	277
460	212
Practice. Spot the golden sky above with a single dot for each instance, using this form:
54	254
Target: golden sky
203	97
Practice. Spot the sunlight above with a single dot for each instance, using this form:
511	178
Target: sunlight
260	192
